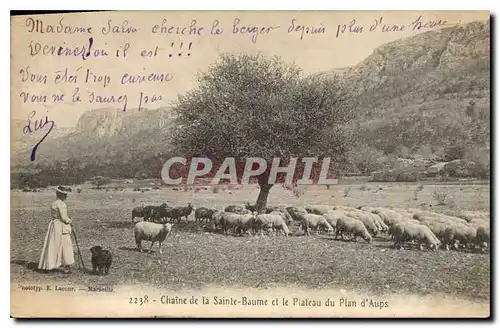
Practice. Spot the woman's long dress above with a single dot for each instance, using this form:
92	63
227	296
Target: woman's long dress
58	247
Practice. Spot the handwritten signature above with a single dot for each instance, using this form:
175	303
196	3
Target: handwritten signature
34	126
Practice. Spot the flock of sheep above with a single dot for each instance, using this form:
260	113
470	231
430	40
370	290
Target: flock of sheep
414	226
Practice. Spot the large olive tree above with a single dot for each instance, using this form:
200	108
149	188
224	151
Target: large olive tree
254	106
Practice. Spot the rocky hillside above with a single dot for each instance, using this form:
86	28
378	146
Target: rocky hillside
419	96
106	123
425	96
102	134
22	143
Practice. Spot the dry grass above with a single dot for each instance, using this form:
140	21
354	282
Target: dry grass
195	257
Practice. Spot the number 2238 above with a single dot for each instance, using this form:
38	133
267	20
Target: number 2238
138	300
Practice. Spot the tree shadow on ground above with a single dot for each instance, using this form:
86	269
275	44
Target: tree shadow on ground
116	224
145	249
130	249
30	265
385	246
332	238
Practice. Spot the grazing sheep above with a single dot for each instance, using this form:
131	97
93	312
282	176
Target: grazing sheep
234	209
459	235
270	209
153	232
137	212
474	215
216	219
277	222
409	232
203	213
295	211
245	223
389	217
314	221
147	212
437	228
157	214
249	207
282	212
356	228
370	211
403	211
479	223
332	217
344	208
228	221
430	216
319	209
483	237
263	222
367	221
177	213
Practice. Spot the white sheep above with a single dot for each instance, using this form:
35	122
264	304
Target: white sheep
295	211
408	231
314	221
277	221
389	217
366	219
284	214
264	222
319	209
474	215
378	222
333	215
152	232
354	227
282	211
245	222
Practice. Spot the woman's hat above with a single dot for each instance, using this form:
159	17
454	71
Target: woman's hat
62	190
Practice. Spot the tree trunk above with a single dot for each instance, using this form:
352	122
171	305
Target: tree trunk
262	198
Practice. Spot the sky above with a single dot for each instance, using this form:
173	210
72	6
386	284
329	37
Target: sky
100	83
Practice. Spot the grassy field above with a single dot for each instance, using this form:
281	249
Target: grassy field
196	257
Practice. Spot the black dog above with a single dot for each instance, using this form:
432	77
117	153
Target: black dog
101	260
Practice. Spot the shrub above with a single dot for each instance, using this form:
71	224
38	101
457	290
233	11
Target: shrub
453	152
441	196
367	159
397	175
407	176
347	191
215	189
481	158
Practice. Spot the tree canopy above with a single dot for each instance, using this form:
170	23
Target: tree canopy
254	106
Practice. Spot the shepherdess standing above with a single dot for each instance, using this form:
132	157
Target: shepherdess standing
58	247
